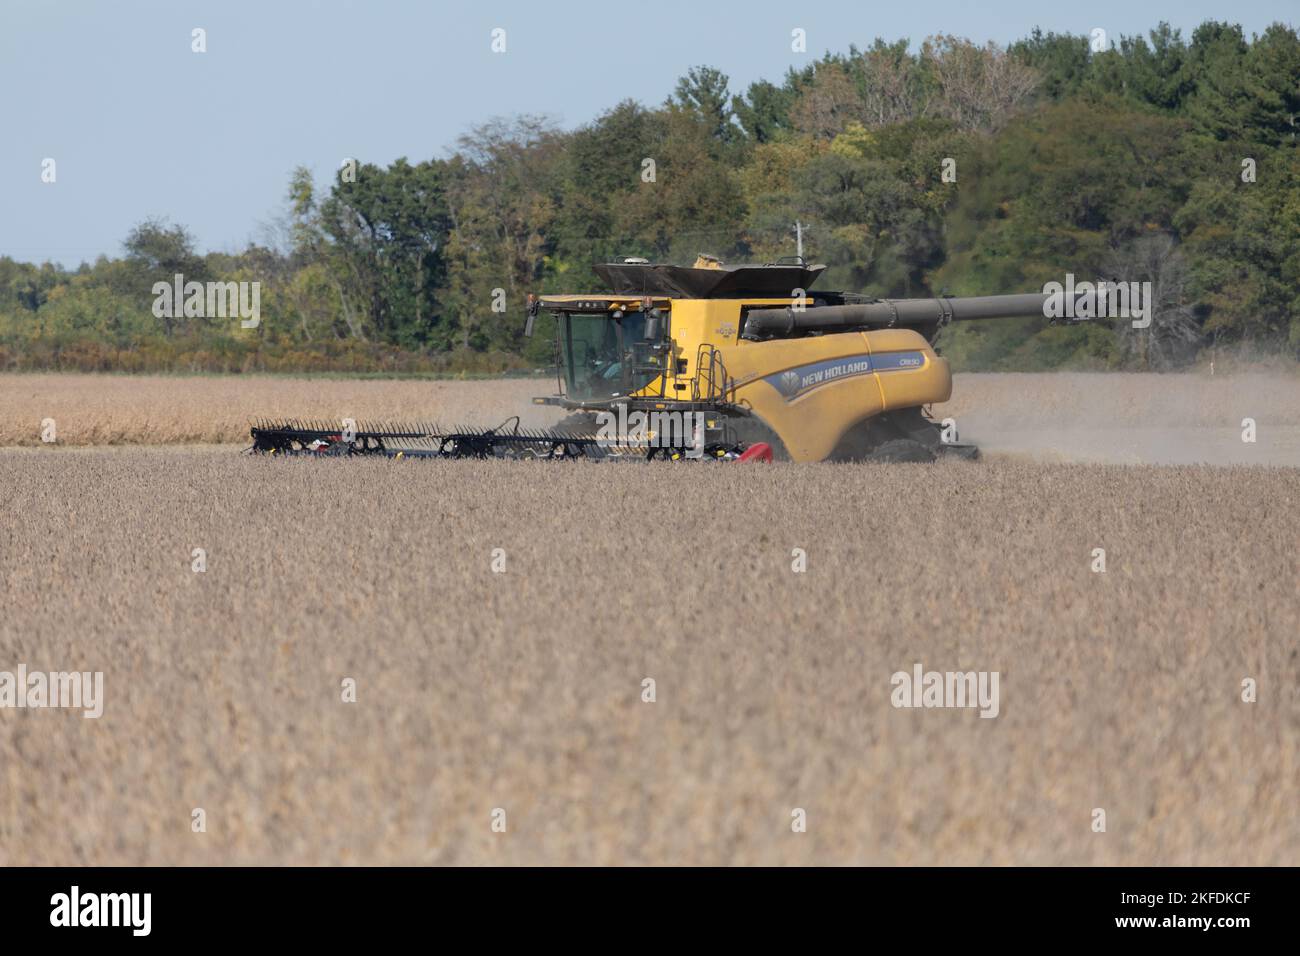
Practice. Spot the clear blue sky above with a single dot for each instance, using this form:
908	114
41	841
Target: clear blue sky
139	125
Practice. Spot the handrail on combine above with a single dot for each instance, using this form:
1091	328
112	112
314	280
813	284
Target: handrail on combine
711	382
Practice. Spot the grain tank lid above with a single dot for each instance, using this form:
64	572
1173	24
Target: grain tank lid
720	282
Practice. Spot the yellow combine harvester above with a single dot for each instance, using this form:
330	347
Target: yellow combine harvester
814	376
756	363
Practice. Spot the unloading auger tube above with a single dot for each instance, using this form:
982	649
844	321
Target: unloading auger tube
890	313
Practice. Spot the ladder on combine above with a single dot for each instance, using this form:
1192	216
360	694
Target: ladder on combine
711	382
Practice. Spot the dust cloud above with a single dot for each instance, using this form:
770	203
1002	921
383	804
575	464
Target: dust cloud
1114	418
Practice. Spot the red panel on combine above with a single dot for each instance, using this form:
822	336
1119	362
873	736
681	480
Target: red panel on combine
759	451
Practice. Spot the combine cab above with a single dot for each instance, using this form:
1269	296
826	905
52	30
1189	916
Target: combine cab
762	366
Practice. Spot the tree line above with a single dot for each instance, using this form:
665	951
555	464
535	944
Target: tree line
951	168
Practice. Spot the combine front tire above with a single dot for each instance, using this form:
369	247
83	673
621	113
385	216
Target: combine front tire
900	450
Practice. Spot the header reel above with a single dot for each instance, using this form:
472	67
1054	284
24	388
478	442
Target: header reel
507	440
419	440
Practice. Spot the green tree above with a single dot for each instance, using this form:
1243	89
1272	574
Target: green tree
157	252
388	228
703	93
763	112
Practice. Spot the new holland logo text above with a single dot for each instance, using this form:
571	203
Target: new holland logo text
795	382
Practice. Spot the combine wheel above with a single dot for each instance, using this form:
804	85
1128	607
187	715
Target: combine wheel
759	451
960	450
752	432
901	450
563	450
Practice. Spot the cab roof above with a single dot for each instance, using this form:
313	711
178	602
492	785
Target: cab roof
714	281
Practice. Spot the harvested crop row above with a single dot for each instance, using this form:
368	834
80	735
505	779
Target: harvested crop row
179	410
153	410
